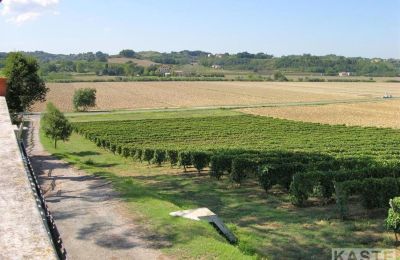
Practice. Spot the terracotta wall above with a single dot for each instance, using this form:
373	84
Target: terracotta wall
3	86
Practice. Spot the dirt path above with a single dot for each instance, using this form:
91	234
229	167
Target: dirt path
91	219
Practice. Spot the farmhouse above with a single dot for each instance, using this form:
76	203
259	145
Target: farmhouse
164	69
344	74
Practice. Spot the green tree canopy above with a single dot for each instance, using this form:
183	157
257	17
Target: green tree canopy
55	125
84	98
25	87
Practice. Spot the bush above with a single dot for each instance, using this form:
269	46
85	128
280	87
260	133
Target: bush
132	153
139	154
377	192
264	177
241	168
185	159
172	156
392	221
220	163
84	98
200	160
126	152
147	155
159	157
119	150
301	188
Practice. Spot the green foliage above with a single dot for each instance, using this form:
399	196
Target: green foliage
241	169
184	159
392	221
113	148
159	157
25	87
220	164
126	152
172	156
200	160
301	188
278	76
84	98
55	125
127	53
148	155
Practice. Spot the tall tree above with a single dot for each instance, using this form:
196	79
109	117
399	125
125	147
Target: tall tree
25	87
55	125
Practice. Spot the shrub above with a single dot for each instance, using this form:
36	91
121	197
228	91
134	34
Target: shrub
264	177
139	154
147	155
119	150
132	153
392	221
220	163
184	159
159	157
200	160
84	98
172	156
301	187
113	148
126	152
241	168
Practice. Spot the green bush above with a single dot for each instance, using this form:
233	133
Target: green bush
139	155
172	156
126	152
185	159
392	221
241	169
220	164
200	160
264	177
301	188
147	155
159	157
119	150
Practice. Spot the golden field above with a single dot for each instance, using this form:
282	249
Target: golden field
135	95
385	113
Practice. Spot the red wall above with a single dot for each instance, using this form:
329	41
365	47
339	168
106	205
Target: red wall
3	86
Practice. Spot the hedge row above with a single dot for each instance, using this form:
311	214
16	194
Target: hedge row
374	192
302	174
306	183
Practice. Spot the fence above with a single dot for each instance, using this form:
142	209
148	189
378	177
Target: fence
47	218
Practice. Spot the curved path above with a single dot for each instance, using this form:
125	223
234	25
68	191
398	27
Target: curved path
93	222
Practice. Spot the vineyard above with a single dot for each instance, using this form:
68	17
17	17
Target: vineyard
307	159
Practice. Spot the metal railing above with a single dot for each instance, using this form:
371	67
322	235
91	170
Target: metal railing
45	213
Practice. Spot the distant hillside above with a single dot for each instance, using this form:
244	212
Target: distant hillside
129	63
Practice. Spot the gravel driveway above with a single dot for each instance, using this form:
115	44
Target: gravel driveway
93	222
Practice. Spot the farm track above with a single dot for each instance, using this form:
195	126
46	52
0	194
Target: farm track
93	221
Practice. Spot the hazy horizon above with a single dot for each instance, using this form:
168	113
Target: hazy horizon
367	29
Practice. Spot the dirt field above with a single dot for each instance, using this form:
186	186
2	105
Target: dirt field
383	113
133	95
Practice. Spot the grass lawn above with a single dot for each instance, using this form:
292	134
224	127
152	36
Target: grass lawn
149	114
266	224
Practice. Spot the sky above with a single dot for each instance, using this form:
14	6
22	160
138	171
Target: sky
355	28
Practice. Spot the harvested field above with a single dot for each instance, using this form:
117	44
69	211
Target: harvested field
134	95
382	114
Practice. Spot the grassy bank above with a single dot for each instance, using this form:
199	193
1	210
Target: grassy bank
266	224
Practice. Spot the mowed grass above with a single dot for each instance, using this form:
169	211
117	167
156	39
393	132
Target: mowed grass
266	224
149	114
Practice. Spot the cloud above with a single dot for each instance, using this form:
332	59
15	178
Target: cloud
21	11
